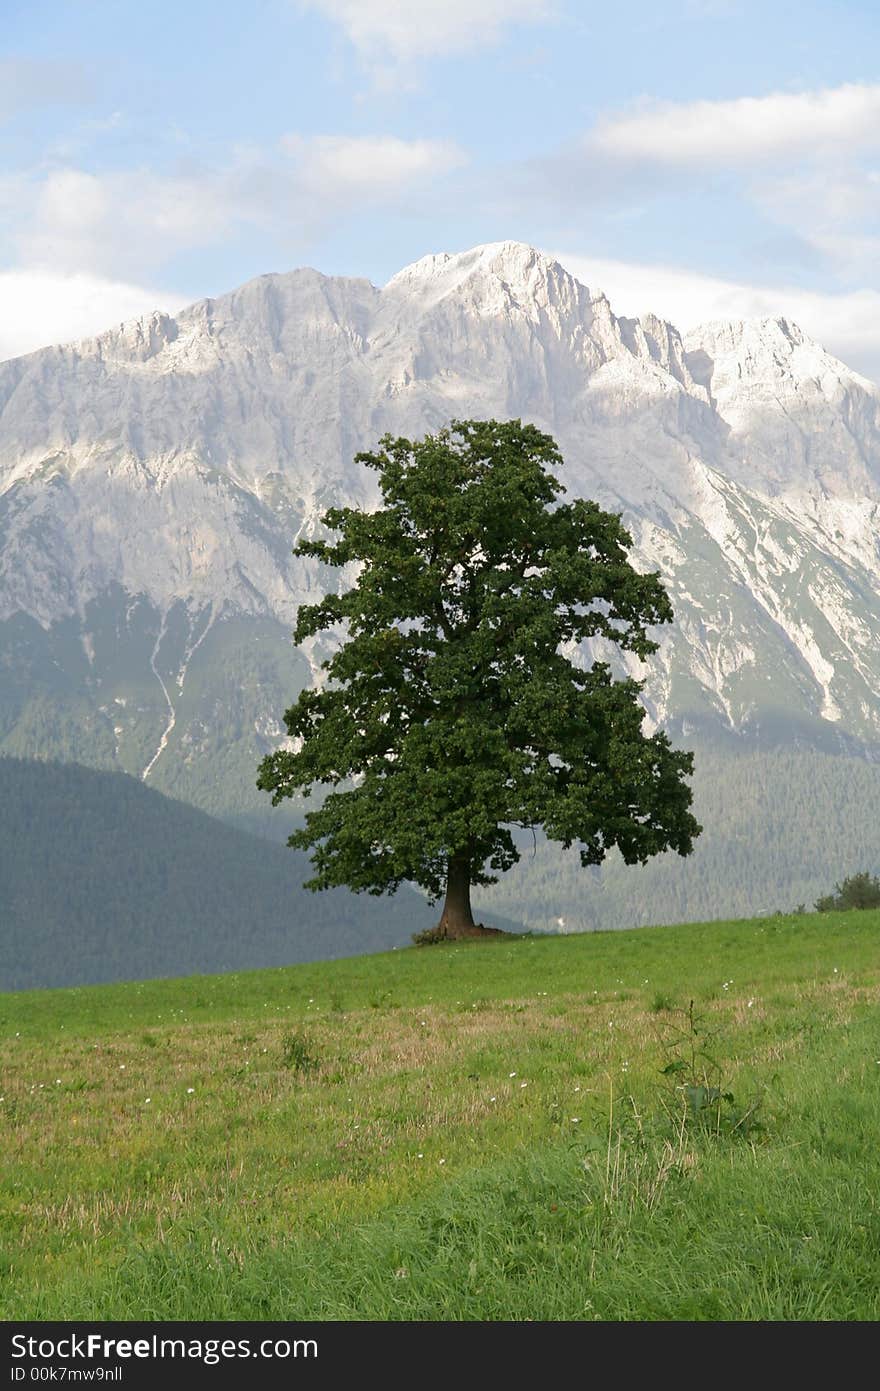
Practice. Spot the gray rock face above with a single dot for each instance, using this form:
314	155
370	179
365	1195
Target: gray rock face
153	480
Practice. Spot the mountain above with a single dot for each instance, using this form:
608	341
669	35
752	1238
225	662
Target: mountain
153	480
104	879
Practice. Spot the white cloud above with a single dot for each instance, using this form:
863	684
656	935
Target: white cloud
384	30
336	165
851	253
848	324
805	161
126	223
834	208
740	132
38	308
121	223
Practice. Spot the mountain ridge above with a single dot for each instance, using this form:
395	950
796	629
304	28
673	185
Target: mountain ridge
154	479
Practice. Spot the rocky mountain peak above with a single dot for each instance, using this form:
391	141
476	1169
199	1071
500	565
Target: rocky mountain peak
497	273
769	355
158	475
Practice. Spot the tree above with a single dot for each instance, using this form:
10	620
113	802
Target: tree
456	708
858	891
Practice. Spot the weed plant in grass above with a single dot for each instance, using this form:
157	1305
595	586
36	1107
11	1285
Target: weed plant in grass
484	1131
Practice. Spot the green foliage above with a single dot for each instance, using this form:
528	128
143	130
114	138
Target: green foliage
700	1092
429	937
662	1002
451	712
858	891
298	1052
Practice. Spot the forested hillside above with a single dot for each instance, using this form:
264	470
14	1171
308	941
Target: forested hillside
780	827
104	879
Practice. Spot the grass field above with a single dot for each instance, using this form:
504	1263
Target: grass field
535	1128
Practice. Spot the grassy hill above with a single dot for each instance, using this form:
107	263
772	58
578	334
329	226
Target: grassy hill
674	1123
104	879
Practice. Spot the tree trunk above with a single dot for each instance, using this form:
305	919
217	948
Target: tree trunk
457	920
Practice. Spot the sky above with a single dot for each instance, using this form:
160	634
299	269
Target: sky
698	159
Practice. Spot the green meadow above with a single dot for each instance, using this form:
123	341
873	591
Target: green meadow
663	1124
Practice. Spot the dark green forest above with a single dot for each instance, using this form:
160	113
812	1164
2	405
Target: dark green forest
780	828
103	879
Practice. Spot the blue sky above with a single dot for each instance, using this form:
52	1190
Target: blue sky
700	158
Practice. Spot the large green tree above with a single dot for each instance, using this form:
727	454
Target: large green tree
455	706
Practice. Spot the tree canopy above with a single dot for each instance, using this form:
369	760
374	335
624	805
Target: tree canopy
858	891
458	705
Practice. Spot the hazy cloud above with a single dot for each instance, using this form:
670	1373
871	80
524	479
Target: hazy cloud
836	209
127	223
336	165
809	162
26	83
774	128
121	222
388	30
